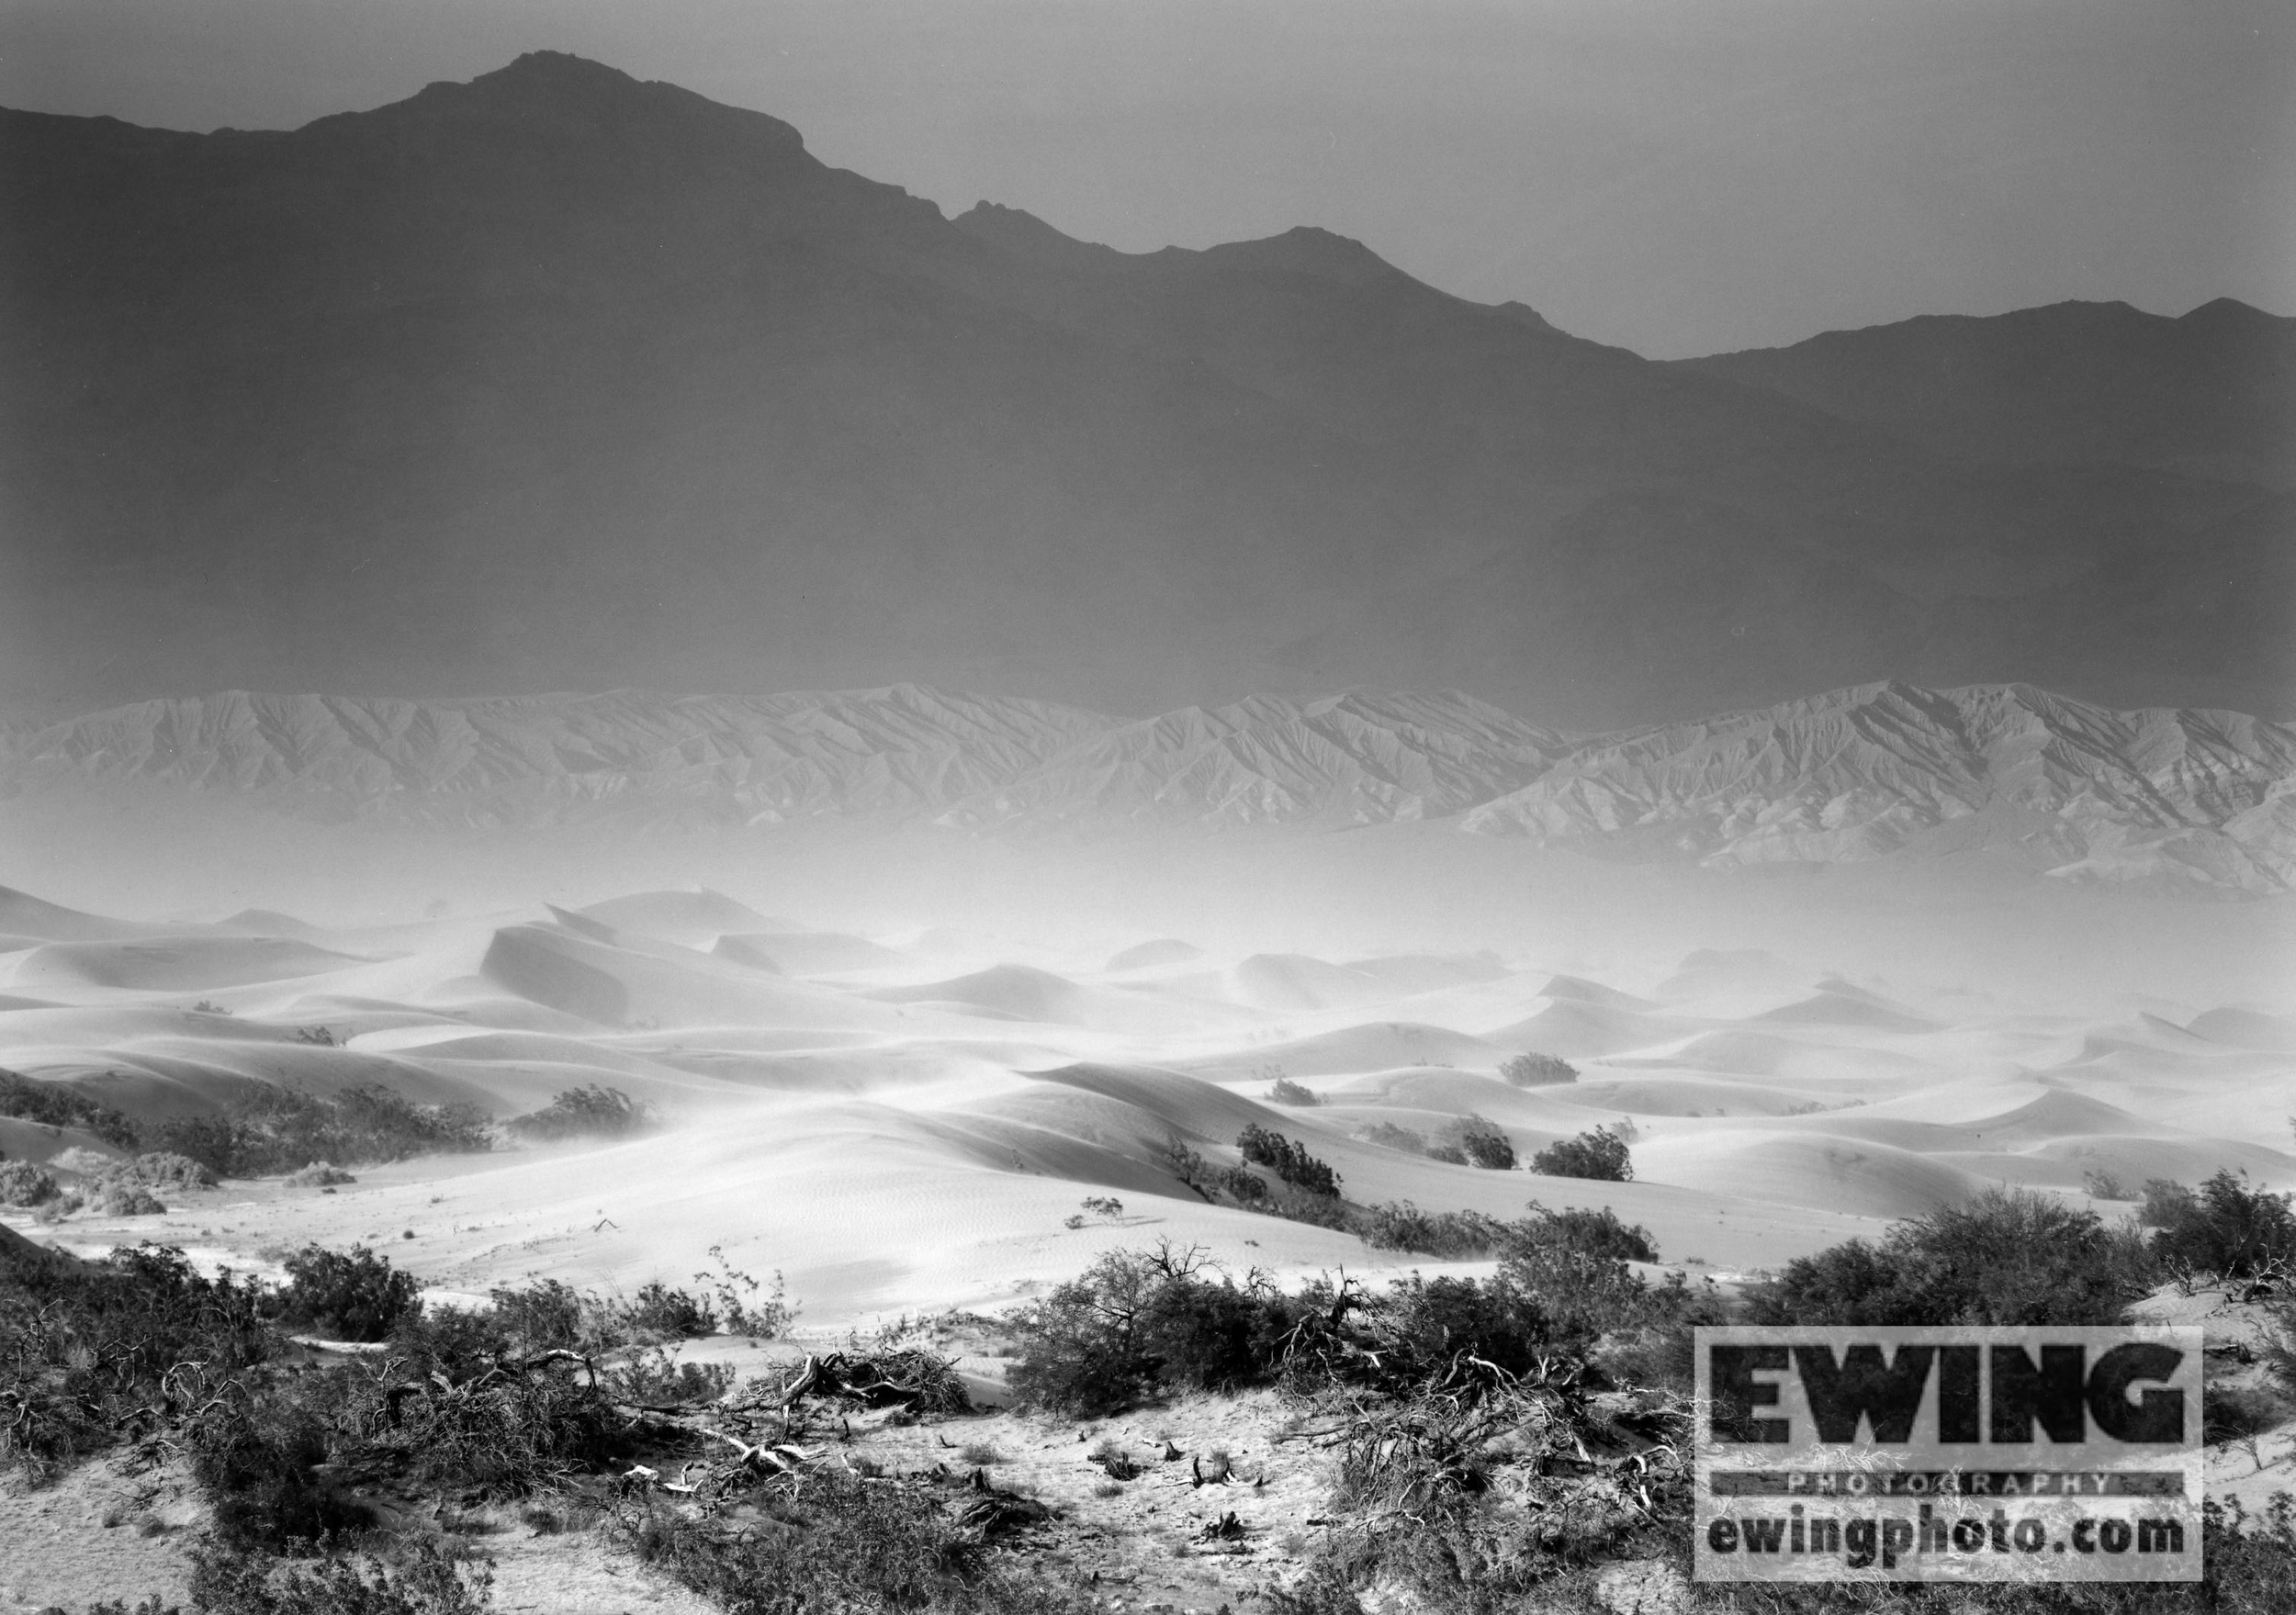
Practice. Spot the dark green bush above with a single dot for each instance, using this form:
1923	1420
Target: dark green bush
283	1129
593	1111
59	1104
2227	1228
354	1296
1600	1154
1288	1161
2010	1256
1284	1091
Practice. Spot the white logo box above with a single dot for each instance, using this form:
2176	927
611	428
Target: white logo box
1948	1454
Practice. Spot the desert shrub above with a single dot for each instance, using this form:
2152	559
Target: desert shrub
227	1580
745	1305
356	1295
2102	1185
114	1190
2165	1203
593	1111
85	1346
1286	1091
59	1104
1137	1325
2009	1256
1537	1071
1600	1154
655	1376
2227	1227
257	1457
320	1174
1590	1233
165	1170
544	1315
1450	1235
24	1185
843	1546
659	1313
2232	1413
1389	1135
1288	1161
1481	1142
1241	1184
284	1130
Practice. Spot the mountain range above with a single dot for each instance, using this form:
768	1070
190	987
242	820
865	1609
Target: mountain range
2197	800
557	379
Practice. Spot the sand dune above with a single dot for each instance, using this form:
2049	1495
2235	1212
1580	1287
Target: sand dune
1162	950
176	965
807	953
904	1126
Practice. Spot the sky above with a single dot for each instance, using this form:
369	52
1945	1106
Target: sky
1675	176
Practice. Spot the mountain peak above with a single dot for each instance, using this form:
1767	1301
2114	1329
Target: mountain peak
1307	249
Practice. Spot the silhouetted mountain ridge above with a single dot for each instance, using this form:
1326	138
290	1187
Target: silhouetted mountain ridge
557	379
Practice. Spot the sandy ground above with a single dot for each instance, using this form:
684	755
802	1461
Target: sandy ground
903	1122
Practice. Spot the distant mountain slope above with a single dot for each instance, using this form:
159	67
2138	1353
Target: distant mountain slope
1349	759
545	759
2189	799
2211	394
557	379
2196	797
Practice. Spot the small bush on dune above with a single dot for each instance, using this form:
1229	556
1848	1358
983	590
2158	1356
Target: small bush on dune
1481	1143
1449	1235
1600	1154
1537	1071
593	1112
1390	1136
1288	1161
320	1174
356	1295
1590	1233
1286	1091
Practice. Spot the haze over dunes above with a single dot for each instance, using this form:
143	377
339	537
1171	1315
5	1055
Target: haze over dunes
2193	801
896	1124
557	379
